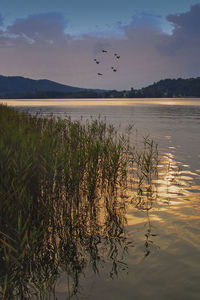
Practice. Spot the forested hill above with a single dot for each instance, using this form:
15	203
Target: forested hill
169	88
21	87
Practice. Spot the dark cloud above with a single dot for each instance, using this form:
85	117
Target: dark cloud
49	26
185	38
186	23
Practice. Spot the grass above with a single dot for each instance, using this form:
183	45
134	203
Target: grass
62	189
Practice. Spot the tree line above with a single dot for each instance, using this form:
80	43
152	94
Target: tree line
167	88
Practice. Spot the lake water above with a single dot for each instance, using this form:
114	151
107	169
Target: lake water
163	260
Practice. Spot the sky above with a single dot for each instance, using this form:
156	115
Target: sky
59	40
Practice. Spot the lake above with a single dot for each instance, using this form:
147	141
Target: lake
163	259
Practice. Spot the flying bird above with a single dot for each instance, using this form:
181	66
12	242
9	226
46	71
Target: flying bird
96	61
117	55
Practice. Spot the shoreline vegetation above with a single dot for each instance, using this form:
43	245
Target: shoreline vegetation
64	190
16	87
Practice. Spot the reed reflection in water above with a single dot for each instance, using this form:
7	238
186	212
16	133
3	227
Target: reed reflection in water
88	234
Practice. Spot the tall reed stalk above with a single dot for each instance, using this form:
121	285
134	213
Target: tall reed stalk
62	187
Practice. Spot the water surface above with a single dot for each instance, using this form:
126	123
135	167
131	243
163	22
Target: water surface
163	260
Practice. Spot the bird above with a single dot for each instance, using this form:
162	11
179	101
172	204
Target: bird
104	51
99	74
96	61
117	55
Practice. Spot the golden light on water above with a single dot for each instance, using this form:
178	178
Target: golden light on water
176	192
101	102
177	184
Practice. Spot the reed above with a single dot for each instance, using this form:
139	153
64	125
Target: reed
62	191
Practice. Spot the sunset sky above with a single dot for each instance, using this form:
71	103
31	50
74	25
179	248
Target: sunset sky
59	40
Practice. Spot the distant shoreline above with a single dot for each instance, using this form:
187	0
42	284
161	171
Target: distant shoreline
15	87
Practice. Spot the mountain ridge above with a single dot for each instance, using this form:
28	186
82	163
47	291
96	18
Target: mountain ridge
23	85
19	87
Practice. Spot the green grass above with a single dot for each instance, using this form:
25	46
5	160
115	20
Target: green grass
62	191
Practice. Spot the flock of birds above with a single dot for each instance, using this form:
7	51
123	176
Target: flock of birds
116	56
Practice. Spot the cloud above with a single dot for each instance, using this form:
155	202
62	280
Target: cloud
188	23
1	20
40	27
4	39
39	47
143	21
182	47
186	32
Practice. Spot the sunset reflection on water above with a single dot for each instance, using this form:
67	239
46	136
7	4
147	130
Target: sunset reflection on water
175	209
101	102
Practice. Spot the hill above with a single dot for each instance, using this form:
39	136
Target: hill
169	88
20	87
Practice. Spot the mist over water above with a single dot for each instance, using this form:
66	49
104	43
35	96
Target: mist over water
163	260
